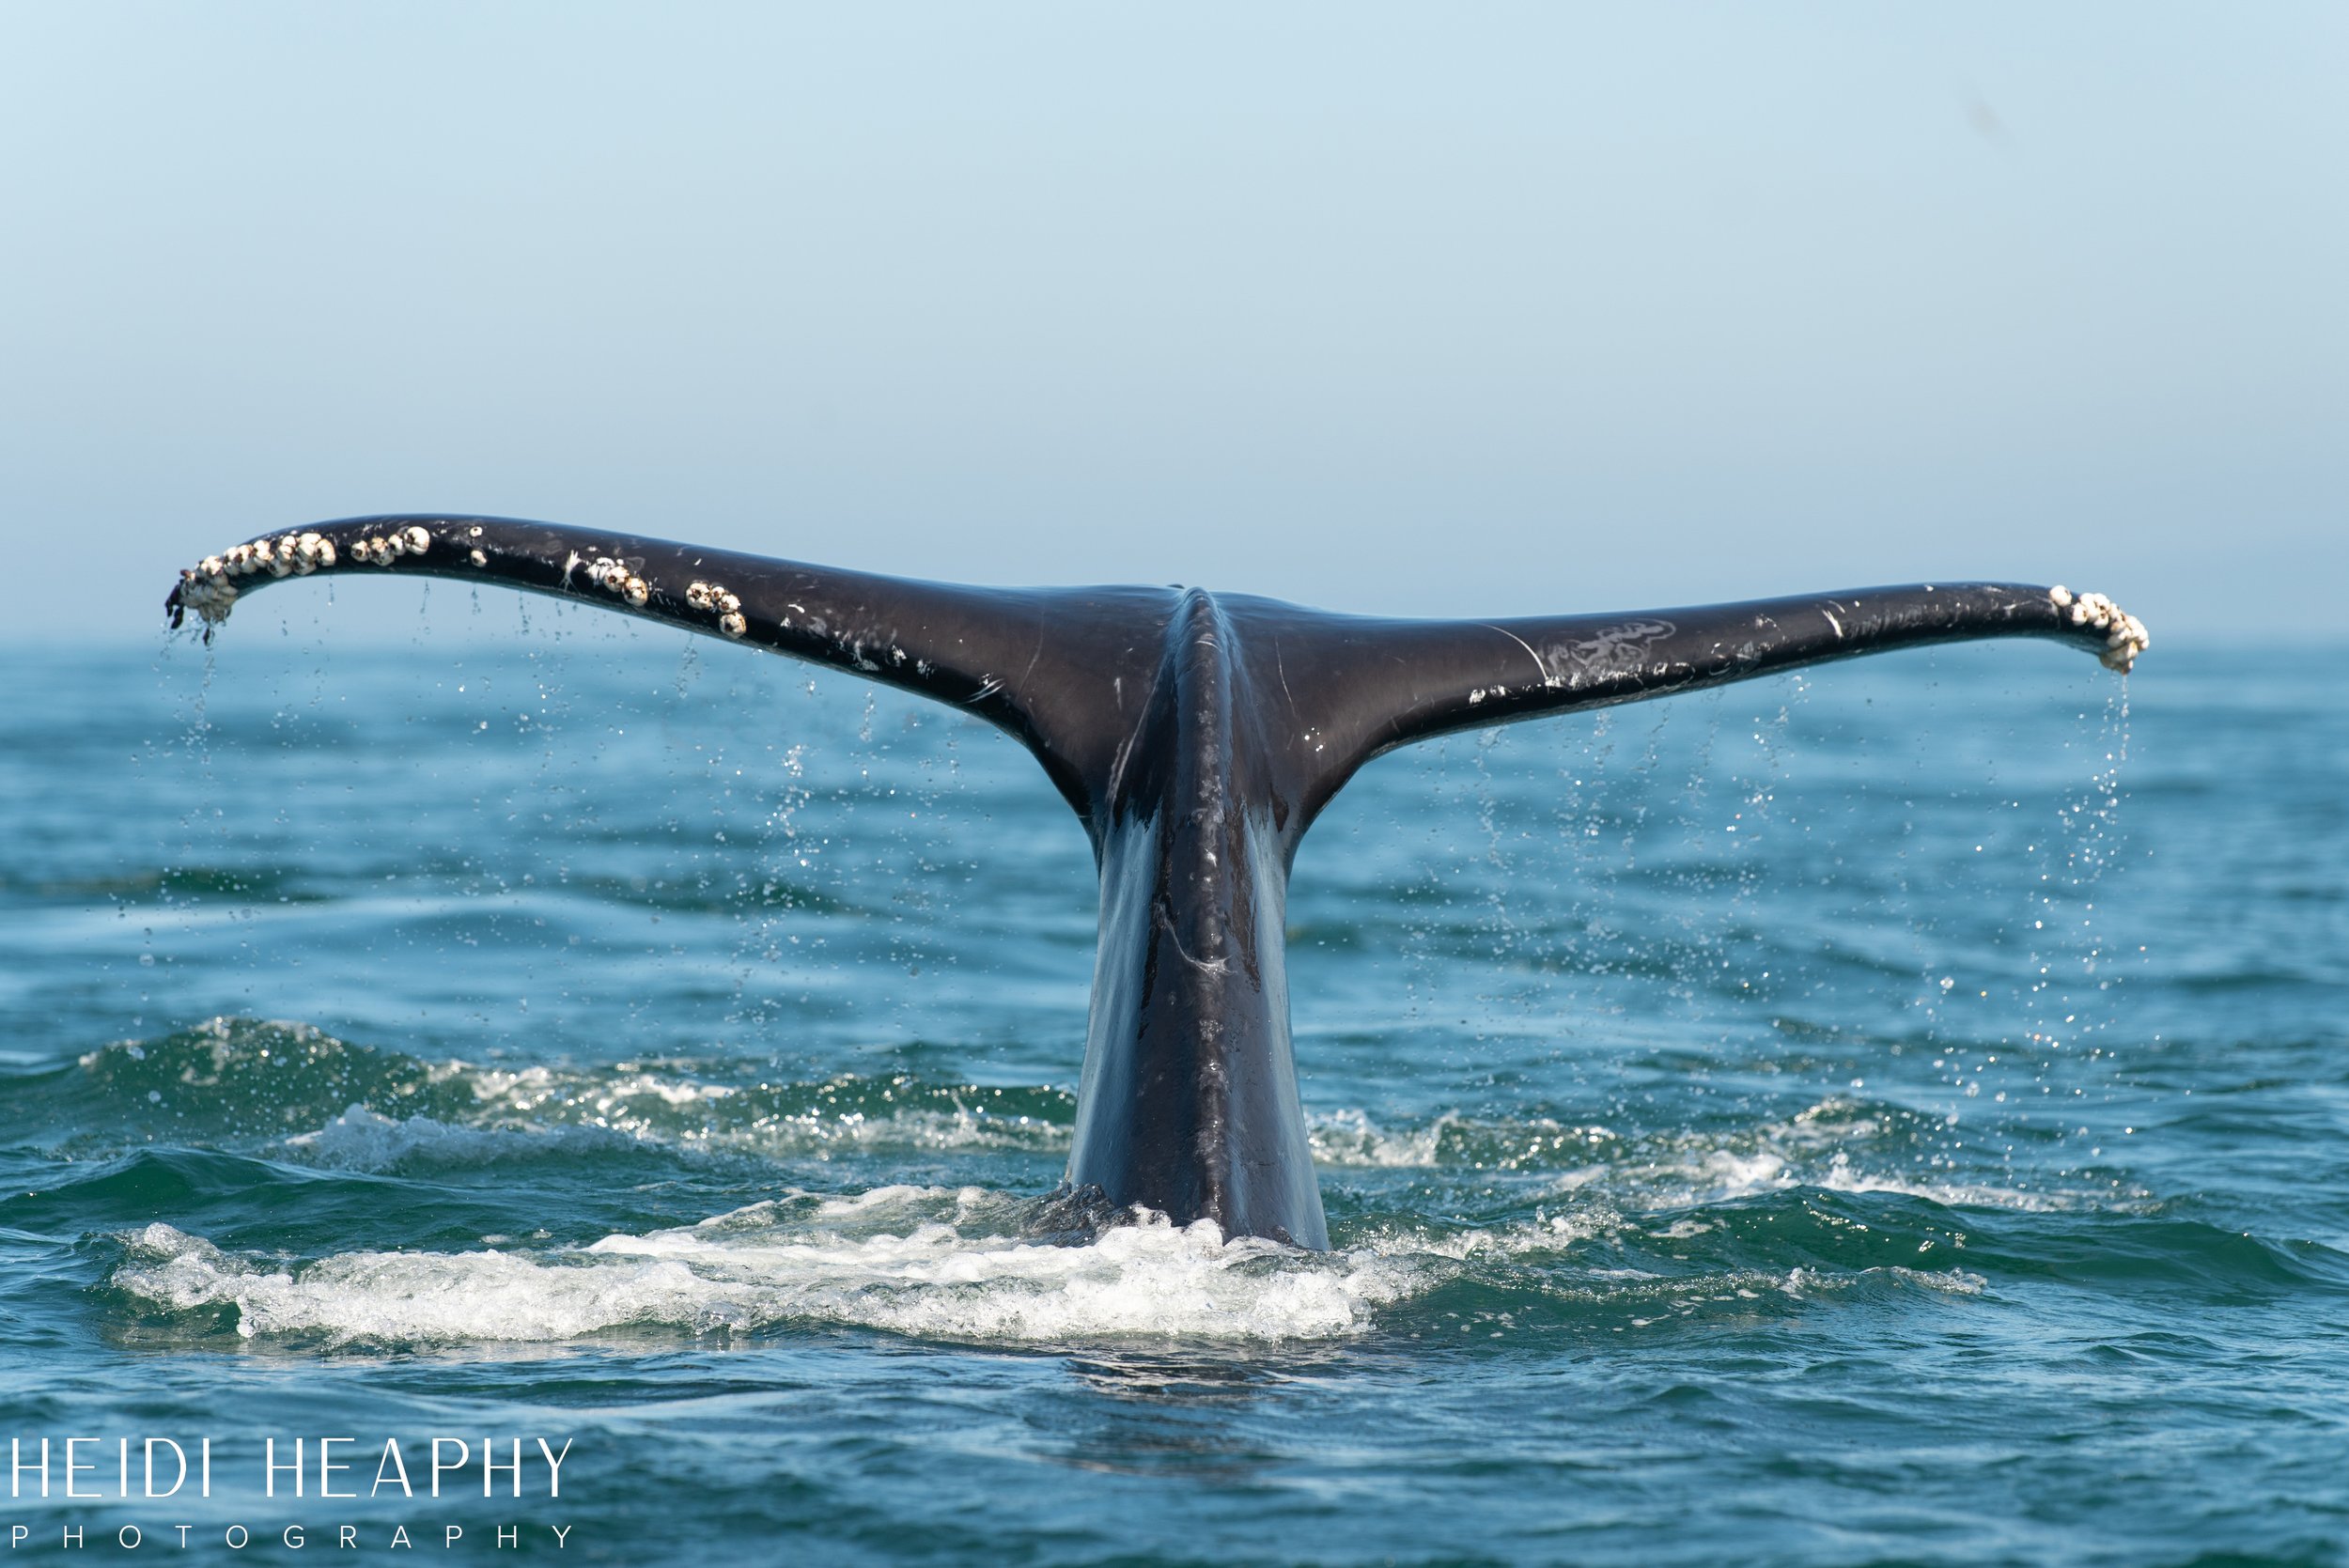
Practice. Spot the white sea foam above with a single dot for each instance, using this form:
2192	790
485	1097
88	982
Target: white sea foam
1823	1146
537	1111
1694	1176
1343	1138
1832	1144
933	1262
930	1276
361	1140
1354	1137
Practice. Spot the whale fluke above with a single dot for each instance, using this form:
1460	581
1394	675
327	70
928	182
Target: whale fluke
1197	736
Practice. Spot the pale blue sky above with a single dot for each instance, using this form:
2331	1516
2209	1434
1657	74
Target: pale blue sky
1443	309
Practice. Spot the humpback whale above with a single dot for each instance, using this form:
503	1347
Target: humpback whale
1196	736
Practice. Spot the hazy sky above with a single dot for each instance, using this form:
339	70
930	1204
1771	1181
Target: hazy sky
1443	309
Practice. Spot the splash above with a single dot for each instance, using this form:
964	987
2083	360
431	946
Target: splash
930	1263
955	1264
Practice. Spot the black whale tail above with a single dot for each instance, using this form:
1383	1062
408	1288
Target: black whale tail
1197	736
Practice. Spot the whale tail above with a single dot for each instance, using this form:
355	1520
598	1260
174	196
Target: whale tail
1071	670
1197	736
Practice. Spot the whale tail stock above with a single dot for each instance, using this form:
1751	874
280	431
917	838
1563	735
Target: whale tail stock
1197	736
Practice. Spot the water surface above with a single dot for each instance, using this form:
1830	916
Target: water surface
1889	1116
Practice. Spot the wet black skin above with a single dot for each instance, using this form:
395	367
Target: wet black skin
1197	736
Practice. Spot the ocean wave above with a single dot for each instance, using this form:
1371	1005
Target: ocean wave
1837	1143
290	1087
363	1139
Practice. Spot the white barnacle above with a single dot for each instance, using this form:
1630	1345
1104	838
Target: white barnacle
210	594
697	595
2128	638
728	602
637	590
2125	634
2061	595
479	559
732	624
418	540
474	532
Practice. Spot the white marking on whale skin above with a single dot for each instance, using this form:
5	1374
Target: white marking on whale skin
1615	650
1206	966
1548	677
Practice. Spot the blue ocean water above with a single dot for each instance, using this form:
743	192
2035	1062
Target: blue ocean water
1889	1115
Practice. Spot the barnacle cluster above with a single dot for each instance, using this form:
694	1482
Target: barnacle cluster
2125	634
210	586
604	572
726	607
384	548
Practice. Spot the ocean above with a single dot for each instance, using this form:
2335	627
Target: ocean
1897	1115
